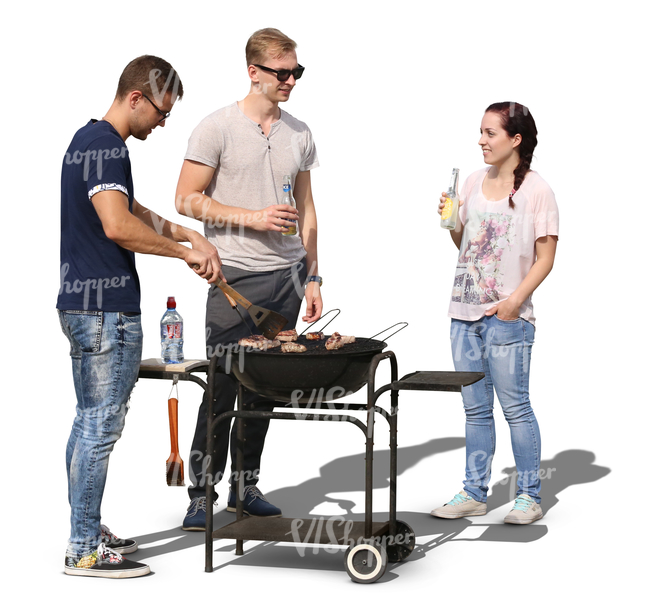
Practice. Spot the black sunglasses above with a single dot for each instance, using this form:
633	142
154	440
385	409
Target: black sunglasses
283	75
164	115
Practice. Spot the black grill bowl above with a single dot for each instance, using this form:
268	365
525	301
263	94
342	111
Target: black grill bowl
317	373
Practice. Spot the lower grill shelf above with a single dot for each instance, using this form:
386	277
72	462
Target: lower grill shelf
324	530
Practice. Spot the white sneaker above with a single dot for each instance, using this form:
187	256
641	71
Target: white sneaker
460	505
524	511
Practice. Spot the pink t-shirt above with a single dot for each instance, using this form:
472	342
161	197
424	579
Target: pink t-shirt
498	245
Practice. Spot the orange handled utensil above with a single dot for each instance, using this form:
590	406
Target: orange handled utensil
174	471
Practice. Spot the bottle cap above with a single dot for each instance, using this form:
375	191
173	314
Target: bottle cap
171	302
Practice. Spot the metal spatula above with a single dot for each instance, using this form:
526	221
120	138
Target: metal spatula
268	322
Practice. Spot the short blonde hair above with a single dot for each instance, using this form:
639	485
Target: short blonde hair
268	41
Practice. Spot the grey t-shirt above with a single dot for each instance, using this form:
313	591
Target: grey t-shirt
249	167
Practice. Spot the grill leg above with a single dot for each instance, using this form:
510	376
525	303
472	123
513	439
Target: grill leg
392	515
210	476
239	545
369	461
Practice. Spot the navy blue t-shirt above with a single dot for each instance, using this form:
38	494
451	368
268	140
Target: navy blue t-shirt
96	273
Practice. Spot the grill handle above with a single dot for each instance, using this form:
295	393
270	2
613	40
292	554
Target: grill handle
402	323
338	312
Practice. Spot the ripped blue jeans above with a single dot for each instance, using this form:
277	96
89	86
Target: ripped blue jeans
105	348
501	350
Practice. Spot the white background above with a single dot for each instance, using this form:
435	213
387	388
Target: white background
394	95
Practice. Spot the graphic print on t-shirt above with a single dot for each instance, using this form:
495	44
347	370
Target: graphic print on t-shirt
478	272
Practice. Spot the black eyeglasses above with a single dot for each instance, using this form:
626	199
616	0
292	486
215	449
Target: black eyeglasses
283	75
164	115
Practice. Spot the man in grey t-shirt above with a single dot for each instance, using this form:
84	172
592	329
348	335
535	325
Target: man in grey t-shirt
232	180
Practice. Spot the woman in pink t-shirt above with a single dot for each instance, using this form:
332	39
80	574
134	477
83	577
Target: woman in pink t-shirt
506	236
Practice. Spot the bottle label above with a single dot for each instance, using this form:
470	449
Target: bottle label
448	208
173	331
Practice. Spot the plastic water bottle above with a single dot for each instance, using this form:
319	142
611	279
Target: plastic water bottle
171	334
287	199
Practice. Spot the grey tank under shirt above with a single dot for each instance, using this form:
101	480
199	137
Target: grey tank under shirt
249	167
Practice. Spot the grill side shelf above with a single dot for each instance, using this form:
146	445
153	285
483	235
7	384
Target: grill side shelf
436	381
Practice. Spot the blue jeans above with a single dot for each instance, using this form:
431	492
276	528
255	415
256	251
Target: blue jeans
501	350
106	349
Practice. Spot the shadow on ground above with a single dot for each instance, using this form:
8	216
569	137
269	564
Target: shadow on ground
347	474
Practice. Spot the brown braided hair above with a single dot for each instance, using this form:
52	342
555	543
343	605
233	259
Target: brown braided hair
516	118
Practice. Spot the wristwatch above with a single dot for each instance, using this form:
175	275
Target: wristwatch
315	279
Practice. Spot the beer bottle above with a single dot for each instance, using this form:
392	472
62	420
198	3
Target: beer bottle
449	214
287	199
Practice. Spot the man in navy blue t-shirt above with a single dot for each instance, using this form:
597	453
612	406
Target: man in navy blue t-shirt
102	227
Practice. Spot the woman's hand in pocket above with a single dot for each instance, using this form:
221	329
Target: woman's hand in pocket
506	310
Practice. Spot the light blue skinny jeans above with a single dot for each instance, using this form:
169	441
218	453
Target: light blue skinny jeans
106	349
501	350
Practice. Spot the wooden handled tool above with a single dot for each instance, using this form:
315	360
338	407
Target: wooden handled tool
230	300
270	323
174	462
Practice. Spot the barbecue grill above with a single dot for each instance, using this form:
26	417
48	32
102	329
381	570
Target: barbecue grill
295	377
292	378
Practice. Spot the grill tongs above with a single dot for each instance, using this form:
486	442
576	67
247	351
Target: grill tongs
268	322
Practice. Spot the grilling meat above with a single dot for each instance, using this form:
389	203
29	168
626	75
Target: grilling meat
289	335
336	340
291	347
315	335
259	342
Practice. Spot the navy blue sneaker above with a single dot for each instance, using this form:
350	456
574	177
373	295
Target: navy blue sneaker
195	518
254	503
